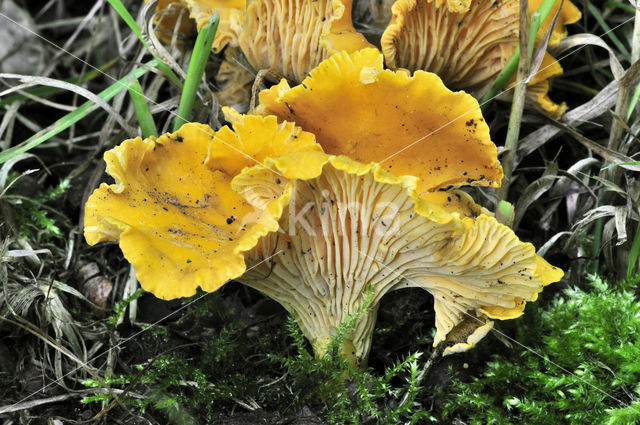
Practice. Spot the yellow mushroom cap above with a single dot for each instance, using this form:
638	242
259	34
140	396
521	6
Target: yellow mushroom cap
172	208
412	124
292	37
323	234
539	86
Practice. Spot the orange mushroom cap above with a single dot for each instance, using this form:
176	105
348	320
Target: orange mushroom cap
412	124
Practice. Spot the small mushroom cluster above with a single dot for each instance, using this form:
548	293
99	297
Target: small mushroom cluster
465	42
288	38
336	192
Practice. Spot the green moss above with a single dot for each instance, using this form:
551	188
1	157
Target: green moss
575	362
32	214
582	366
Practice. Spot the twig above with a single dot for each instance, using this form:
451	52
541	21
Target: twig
29	327
59	398
34	403
428	365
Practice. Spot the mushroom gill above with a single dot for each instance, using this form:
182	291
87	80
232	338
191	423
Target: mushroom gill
466	48
324	234
196	15
467	43
290	38
356	230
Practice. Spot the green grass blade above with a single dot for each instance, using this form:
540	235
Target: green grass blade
128	19
73	117
503	77
198	61
45	90
537	19
505	213
614	38
634	252
594	265
620	5
147	125
617	164
511	66
633	102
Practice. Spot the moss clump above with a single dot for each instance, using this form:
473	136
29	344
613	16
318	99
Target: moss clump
582	365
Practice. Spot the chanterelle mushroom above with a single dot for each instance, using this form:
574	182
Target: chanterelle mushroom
292	37
286	37
199	12
468	42
172	17
264	204
234	80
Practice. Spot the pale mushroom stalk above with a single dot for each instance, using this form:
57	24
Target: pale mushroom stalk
327	217
346	235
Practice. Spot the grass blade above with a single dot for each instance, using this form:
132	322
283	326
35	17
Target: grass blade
620	5
634	252
147	125
199	58
128	19
81	91
598	17
72	117
46	90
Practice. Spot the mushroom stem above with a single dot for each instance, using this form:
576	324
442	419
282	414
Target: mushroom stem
322	347
331	329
